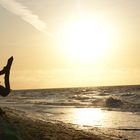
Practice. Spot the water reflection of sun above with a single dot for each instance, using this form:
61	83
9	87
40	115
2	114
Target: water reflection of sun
88	116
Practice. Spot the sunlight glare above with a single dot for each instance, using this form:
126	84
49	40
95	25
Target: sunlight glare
88	39
88	116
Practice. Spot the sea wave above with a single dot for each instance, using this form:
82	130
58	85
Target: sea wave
124	98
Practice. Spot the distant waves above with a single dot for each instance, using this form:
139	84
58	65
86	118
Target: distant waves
125	98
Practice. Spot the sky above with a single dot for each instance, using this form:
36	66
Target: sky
70	43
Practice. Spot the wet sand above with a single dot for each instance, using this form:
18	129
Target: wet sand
16	125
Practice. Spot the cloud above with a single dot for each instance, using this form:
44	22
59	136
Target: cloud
24	13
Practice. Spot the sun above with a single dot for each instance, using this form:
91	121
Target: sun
88	39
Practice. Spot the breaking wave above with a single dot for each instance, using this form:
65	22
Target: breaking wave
126	98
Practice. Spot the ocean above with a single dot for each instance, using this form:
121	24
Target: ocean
113	107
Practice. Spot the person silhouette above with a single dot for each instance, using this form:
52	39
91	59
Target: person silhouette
4	91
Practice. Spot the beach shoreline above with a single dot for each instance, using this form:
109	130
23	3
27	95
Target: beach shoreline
27	128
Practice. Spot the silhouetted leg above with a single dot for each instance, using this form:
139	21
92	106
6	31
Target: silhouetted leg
2	71
4	91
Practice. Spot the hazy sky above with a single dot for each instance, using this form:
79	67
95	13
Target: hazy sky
66	43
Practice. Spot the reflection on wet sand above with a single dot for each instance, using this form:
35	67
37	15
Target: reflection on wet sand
88	116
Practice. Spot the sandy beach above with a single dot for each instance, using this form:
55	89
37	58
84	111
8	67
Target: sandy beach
15	125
